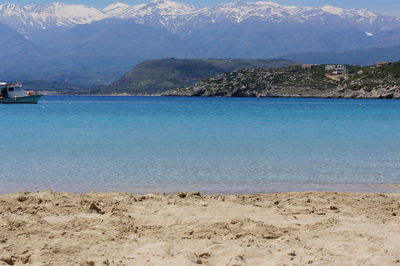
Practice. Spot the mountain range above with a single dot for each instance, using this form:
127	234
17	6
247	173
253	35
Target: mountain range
83	44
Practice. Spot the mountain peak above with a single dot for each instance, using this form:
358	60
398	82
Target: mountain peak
43	16
333	10
155	8
162	4
116	5
269	3
115	8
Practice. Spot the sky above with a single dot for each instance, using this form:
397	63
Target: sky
390	7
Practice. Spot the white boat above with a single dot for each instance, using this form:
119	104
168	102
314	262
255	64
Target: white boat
13	93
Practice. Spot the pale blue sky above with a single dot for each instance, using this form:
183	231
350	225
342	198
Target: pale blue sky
391	7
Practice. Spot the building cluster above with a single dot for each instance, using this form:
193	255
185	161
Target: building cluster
330	69
341	69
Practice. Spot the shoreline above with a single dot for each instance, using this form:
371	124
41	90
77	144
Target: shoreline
271	188
188	96
111	228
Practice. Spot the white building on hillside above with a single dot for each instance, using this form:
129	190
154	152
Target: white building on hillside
336	69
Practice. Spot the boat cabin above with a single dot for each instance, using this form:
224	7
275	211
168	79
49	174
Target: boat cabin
13	93
11	90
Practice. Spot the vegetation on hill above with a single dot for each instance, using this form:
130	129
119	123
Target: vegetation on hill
296	81
157	76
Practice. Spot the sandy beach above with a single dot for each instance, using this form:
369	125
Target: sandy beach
319	228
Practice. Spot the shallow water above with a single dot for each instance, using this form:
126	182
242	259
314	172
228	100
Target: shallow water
143	144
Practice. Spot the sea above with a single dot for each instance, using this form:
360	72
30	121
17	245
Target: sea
212	145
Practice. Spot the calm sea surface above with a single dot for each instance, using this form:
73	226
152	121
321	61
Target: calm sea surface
144	144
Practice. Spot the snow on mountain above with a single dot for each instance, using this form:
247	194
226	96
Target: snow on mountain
26	18
333	10
240	11
115	9
174	15
273	12
165	13
154	7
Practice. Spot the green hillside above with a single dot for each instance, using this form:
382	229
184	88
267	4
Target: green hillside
157	76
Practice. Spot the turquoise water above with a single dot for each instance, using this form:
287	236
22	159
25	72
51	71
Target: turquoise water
143	144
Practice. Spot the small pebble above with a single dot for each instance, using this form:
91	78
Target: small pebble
182	195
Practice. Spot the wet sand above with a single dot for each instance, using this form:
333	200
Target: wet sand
309	228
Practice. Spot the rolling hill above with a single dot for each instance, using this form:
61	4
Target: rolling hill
157	76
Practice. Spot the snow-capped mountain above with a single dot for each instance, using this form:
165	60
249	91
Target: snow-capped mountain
155	7
169	14
173	15
115	9
273	12
33	17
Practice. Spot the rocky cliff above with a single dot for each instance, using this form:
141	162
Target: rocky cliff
298	81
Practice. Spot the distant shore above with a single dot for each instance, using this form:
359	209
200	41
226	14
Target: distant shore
105	94
270	97
315	228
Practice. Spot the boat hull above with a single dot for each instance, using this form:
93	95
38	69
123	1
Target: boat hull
26	99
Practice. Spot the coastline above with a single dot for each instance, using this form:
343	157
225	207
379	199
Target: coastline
266	97
111	228
212	189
